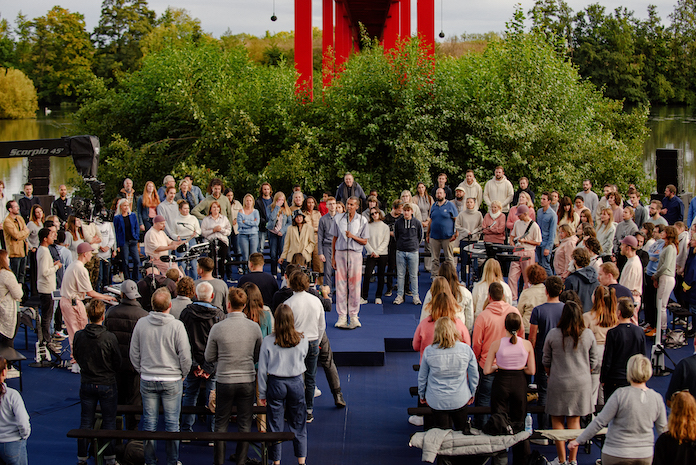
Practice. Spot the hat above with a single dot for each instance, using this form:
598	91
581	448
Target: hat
459	189
130	289
297	213
630	241
84	248
159	219
522	209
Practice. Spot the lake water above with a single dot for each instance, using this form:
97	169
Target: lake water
671	127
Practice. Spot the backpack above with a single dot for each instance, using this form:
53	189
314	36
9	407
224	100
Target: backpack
498	425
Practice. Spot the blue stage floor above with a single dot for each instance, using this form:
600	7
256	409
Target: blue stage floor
373	429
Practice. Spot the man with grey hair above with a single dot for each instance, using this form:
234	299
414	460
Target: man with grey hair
349	188
167	182
128	193
161	353
198	318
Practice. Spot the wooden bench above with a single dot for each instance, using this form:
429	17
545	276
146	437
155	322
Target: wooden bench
207	436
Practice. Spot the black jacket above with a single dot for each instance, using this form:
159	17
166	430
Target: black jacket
96	351
261	207
408	239
120	320
266	283
198	318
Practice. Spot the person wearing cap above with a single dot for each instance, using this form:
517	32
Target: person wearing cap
459	199
75	287
526	236
298	239
120	320
157	243
632	273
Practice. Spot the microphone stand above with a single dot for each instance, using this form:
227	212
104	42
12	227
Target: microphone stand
348	221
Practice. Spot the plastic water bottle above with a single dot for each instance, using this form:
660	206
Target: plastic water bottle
528	423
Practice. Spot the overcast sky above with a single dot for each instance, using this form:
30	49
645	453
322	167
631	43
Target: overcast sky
253	16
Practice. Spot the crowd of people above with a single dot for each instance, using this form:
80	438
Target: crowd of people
568	314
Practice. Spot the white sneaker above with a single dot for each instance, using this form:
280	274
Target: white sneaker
354	322
399	300
417	301
12	372
362	301
557	462
378	301
317	392
342	322
416	420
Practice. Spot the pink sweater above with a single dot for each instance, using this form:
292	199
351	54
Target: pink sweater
489	327
425	331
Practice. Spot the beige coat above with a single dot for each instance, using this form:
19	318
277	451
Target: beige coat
295	242
16	234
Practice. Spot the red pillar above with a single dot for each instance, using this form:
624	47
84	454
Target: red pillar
405	19
391	26
426	24
327	41
303	46
343	36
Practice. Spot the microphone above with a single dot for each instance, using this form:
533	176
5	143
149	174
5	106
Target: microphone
183	224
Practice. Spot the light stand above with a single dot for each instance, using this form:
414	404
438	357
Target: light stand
658	352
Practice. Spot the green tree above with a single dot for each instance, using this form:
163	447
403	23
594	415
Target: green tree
174	28
17	95
605	52
683	51
554	19
653	44
7	45
60	55
123	24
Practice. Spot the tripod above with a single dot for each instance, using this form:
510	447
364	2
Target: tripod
658	352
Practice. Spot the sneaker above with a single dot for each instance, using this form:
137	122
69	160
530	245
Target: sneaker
317	392
416	420
557	462
118	278
378	301
572	462
647	328
310	417
354	322
62	333
12	372
399	300
417	301
342	322
388	293
651	333
363	301
339	401
59	337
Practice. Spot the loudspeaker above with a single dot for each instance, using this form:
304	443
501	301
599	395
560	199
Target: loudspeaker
667	169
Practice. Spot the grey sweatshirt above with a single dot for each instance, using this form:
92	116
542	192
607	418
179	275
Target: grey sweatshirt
160	349
668	262
631	414
234	343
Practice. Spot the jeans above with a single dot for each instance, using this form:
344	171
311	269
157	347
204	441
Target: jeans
544	260
483	396
130	249
104	274
310	375
14	453
192	385
275	243
247	243
169	392
381	262
404	261
328	269
284	400
107	397
242	396
261	237
18	265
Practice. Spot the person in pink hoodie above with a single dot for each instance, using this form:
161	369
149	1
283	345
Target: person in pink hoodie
443	306
489	327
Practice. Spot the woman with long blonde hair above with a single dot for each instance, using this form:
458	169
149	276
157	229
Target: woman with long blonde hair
147	206
605	231
492	273
461	294
277	226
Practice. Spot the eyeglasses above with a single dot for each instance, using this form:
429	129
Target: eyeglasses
375	213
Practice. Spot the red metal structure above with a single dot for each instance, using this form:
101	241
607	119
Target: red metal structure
387	20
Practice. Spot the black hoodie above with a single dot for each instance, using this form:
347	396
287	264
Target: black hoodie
198	318
96	351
